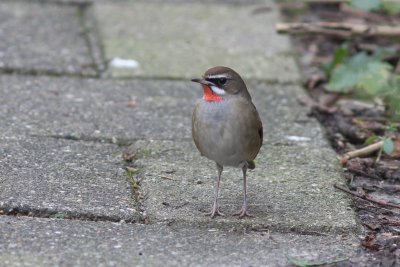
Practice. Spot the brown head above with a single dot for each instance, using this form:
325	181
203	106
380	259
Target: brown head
219	82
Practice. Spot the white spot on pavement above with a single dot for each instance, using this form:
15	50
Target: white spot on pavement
298	138
124	63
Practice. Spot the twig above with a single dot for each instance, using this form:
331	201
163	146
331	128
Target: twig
382	208
365	151
338	28
392	222
307	101
392	188
389	210
368	198
329	100
361	173
167	177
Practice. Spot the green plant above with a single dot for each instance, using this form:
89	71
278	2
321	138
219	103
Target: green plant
388	144
391	95
341	54
366	5
59	215
361	71
365	76
131	173
389	6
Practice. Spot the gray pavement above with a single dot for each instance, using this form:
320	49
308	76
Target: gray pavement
40	38
56	177
158	244
194	34
66	198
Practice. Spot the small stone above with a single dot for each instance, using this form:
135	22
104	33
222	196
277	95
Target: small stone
129	153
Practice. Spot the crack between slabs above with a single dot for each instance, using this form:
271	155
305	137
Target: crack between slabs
102	139
7	210
91	34
36	72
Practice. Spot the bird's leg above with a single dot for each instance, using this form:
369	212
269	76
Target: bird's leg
243	211
215	209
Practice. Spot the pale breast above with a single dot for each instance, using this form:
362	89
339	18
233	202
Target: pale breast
226	131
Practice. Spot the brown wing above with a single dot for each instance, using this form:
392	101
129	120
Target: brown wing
251	164
260	127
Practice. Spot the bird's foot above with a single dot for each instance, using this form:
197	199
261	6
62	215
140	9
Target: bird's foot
243	213
214	212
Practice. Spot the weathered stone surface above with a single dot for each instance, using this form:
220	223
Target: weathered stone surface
182	41
136	109
37	37
49	242
235	2
96	108
293	175
291	188
296	210
63	178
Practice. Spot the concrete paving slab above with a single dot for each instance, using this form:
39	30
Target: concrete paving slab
49	242
68	2
297	211
91	108
162	110
181	41
64	179
39	37
291	188
137	109
235	2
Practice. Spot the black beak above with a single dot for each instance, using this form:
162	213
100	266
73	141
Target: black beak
202	81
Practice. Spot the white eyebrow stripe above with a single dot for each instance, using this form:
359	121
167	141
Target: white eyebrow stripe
217	76
217	90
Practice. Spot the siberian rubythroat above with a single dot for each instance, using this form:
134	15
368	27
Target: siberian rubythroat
226	127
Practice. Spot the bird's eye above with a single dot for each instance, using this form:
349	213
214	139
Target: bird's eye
222	81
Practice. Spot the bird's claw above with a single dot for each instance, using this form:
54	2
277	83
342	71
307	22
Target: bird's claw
214	212
243	213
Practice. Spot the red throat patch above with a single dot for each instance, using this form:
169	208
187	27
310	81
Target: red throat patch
209	95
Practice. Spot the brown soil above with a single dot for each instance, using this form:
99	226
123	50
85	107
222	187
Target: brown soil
349	122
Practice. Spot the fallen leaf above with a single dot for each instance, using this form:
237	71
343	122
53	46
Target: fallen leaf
132	103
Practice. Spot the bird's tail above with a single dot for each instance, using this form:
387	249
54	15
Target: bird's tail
251	165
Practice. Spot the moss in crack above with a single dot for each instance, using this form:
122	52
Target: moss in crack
59	215
144	152
131	174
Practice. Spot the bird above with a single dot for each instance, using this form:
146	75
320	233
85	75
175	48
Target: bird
226	127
